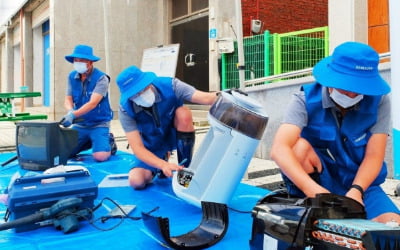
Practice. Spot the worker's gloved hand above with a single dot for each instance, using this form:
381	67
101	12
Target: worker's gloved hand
68	119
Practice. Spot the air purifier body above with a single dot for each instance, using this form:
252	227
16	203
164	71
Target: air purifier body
237	124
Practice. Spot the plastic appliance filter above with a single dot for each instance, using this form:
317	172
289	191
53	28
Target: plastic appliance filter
237	123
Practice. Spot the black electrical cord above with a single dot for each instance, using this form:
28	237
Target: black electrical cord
6	168
151	211
92	221
298	228
239	211
9	160
125	215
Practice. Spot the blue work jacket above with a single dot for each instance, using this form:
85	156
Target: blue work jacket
341	147
81	93
156	124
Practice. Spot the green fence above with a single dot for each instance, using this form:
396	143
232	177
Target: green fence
272	54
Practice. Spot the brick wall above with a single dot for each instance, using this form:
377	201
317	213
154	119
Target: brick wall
281	16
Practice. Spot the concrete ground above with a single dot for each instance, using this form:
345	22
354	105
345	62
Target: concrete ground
262	173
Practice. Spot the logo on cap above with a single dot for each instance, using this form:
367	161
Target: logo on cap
127	81
364	67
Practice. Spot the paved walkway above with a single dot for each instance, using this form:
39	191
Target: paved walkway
261	173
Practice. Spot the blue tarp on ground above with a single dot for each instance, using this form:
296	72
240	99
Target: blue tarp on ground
130	234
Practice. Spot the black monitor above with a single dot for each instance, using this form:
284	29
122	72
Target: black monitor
44	144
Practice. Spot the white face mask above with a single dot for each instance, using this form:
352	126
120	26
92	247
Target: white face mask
145	99
343	100
80	67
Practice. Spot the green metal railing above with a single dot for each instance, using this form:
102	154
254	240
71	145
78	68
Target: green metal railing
272	54
7	107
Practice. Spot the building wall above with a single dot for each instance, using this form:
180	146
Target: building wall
348	21
17	70
285	15
378	25
39	15
358	20
118	33
3	71
222	18
7	61
37	85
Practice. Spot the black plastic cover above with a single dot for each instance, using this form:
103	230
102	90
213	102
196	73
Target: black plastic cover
211	230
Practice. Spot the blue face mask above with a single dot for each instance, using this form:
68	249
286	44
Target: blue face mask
343	100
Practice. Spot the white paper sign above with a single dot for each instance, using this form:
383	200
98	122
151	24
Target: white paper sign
161	60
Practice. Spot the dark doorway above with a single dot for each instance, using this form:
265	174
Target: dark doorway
192	65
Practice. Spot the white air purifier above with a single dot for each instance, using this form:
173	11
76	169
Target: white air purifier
237	124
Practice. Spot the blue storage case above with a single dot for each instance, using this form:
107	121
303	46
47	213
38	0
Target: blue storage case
27	195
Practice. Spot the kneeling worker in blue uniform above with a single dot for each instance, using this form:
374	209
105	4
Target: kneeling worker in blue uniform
333	136
88	104
155	121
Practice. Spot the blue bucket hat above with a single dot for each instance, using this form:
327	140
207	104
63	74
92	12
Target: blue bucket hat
352	67
132	81
83	52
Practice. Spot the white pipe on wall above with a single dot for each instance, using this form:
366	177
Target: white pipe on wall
22	51
239	30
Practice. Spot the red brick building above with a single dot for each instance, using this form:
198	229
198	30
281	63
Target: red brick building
284	15
287	15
